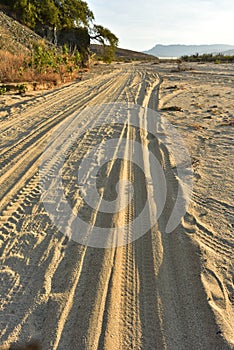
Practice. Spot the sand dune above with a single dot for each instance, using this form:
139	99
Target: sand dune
161	291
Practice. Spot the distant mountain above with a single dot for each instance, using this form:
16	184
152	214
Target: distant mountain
181	50
228	53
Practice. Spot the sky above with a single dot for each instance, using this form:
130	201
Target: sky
140	25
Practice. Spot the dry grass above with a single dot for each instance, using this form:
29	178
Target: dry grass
15	69
11	66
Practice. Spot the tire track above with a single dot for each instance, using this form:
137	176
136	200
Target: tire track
145	295
34	146
116	87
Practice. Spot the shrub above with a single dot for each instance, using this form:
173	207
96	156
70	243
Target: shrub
2	90
22	88
219	58
44	65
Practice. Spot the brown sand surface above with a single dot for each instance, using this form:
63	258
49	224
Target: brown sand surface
162	291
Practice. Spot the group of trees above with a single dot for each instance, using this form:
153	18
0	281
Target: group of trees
59	15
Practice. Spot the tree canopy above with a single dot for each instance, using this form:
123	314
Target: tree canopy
104	35
62	14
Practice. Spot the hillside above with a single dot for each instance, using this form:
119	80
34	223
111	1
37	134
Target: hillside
125	54
181	50
39	67
15	37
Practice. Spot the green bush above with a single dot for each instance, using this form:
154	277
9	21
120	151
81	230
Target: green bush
44	59
2	90
22	88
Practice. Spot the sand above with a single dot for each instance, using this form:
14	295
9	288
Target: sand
162	291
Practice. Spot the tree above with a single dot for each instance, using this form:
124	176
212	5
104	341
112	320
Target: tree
103	35
27	11
107	39
62	15
74	13
48	13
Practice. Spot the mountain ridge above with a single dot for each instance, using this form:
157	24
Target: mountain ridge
178	50
125	54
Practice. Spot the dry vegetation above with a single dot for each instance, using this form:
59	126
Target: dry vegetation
25	58
42	66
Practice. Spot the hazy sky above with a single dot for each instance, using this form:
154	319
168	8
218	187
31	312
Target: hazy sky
142	24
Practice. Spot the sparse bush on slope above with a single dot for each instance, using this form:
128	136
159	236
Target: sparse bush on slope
43	65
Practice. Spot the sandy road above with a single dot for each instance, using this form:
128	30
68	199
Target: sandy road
145	295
